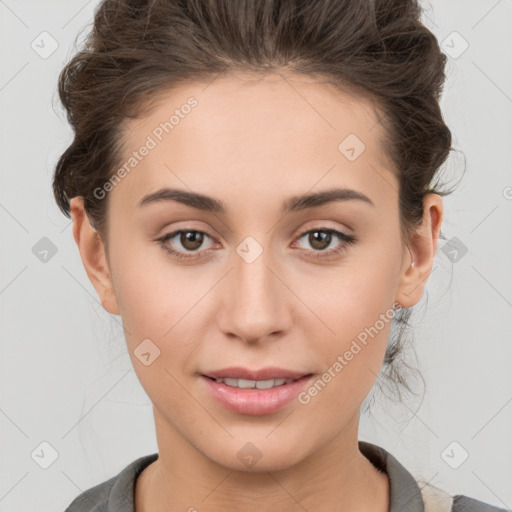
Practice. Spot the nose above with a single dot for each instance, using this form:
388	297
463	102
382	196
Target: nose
255	301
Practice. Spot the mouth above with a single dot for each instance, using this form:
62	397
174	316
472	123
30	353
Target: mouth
253	384
255	392
264	378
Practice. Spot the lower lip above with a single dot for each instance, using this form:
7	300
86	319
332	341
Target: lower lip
255	402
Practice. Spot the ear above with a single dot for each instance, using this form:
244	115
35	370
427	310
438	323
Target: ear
93	254
419	256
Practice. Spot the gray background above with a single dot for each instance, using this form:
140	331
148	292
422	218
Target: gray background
66	378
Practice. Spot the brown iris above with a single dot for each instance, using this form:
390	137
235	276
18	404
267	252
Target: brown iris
191	240
318	242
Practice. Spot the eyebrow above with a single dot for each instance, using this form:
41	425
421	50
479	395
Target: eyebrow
292	204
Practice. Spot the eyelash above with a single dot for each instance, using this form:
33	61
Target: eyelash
346	240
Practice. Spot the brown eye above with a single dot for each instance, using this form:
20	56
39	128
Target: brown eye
191	240
319	239
184	243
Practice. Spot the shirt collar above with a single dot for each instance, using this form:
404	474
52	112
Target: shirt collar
405	493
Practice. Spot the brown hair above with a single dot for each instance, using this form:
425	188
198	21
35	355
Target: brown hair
138	49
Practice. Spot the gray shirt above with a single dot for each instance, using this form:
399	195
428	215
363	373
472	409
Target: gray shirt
406	494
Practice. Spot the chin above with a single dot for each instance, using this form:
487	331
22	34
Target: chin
255	454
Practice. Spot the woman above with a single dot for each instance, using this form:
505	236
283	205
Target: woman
251	188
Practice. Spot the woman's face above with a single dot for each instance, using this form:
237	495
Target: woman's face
263	281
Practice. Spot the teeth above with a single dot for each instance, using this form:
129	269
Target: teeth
259	384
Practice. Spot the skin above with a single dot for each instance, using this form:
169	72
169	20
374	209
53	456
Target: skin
252	142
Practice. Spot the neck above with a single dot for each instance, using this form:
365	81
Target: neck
336	477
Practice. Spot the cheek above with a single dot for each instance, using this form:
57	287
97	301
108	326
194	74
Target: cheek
352	296
356	304
151	293
352	359
157	311
159	302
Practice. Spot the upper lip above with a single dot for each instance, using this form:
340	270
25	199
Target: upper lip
271	372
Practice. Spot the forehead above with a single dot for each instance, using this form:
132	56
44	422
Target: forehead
264	106
265	131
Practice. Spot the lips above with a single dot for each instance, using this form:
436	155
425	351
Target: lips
272	372
255	397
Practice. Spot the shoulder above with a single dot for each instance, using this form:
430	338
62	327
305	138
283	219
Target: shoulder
437	500
116	493
94	499
463	503
415	494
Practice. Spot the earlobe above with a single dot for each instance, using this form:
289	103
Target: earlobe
93	255
419	255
